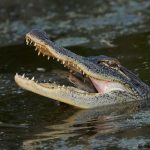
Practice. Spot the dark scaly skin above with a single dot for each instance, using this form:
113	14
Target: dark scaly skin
97	67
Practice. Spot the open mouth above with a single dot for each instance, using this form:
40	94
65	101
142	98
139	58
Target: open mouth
83	82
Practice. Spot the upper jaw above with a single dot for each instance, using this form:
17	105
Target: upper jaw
69	59
75	62
44	46
47	48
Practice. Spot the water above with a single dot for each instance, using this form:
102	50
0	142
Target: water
91	22
29	121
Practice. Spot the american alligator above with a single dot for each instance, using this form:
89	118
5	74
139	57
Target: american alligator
111	83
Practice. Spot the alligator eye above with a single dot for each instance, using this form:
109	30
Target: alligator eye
114	64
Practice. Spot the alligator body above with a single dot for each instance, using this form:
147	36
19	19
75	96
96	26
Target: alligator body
109	82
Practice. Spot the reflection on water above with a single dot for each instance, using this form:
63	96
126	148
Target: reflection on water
96	128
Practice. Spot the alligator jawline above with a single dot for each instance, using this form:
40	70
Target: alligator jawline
100	86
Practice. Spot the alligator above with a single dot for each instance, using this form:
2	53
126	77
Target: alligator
109	82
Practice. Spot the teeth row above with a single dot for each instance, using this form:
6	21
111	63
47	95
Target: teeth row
23	77
28	41
65	63
33	79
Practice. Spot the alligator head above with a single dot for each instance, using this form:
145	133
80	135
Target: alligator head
111	82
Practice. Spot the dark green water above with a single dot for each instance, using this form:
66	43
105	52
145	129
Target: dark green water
116	28
29	121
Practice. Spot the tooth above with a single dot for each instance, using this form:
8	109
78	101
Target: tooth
32	78
48	57
43	54
63	62
53	58
23	75
63	86
57	59
27	42
34	44
38	53
36	48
